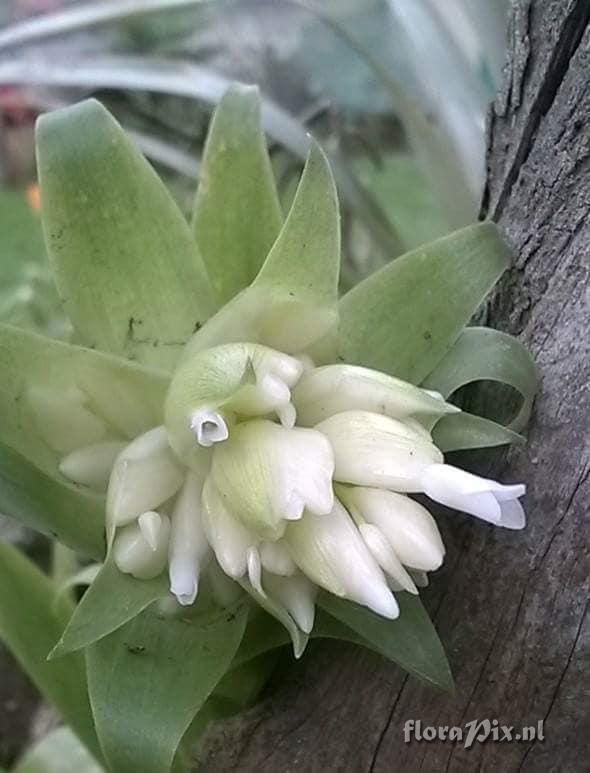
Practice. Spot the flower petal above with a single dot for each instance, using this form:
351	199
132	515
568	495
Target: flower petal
92	465
145	475
375	450
331	552
267	473
188	543
408	527
134	554
297	595
322	392
384	554
484	498
227	536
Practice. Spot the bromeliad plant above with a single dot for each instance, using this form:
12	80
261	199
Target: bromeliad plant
230	441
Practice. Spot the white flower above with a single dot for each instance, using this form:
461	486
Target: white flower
375	450
323	392
189	546
408	527
145	474
141	548
331	552
481	497
268	474
250	491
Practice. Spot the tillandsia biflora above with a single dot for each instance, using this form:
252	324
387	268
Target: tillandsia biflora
235	446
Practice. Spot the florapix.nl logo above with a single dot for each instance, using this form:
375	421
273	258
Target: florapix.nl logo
475	731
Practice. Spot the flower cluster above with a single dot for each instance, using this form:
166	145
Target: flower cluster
290	477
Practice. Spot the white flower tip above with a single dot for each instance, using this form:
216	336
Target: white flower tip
150	525
287	415
294	507
512	514
382	601
209	427
184	581
254	569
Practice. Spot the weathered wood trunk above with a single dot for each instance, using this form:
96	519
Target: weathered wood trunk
510	607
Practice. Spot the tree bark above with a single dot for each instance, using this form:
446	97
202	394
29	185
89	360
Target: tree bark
510	607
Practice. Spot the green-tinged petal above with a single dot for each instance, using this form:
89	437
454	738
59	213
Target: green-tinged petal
60	510
298	638
127	266
29	624
237	213
464	430
293	301
480	354
410	641
55	397
112	600
148	679
57	752
404	318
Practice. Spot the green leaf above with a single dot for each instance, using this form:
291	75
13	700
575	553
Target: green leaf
35	499
410	641
404	318
305	259
465	430
237	213
293	300
111	601
127	266
148	679
483	354
126	397
29	624
57	752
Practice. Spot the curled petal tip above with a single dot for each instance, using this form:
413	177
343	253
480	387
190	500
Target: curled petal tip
209	427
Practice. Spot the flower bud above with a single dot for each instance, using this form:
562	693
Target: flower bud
276	559
408	527
91	465
383	553
375	450
480	497
188	544
331	552
331	389
141	549
146	474
63	419
229	539
268	474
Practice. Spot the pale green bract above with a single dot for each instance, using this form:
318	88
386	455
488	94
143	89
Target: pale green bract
220	460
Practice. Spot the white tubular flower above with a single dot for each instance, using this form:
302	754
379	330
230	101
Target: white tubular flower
189	547
375	450
268	474
297	594
323	392
331	552
228	537
146	474
141	549
477	496
91	465
408	527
